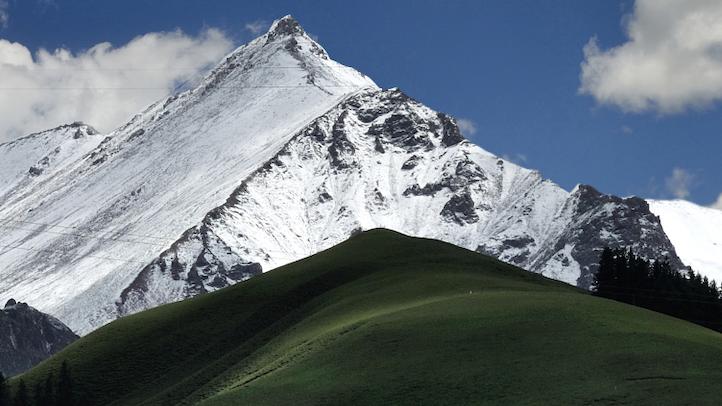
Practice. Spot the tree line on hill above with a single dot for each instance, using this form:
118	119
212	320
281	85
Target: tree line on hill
626	277
51	392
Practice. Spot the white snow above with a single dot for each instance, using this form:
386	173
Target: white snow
562	266
156	176
696	233
48	152
302	203
260	129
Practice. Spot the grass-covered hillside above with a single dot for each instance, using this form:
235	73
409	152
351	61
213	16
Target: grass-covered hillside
388	319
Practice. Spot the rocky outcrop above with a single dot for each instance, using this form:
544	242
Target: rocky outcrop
460	209
611	221
28	336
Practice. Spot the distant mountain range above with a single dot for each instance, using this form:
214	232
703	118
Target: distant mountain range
278	153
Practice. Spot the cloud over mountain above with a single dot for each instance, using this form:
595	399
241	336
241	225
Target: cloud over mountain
467	127
103	85
718	204
679	183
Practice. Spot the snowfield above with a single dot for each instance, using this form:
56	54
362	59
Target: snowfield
696	233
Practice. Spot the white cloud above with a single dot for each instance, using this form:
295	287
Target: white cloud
672	60
627	130
466	126
517	158
257	27
4	15
718	204
680	183
103	85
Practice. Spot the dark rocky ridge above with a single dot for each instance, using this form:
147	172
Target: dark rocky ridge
631	223
598	221
28	337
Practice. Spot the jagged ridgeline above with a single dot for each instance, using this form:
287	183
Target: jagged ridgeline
278	153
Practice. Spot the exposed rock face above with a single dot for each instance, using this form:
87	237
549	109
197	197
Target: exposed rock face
381	159
175	275
451	134
610	221
460	209
28	336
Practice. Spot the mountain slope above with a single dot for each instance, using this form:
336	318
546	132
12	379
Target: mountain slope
382	159
389	319
30	160
28	337
88	231
696	233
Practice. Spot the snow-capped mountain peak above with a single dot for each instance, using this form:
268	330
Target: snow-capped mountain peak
284	57
284	26
278	153
159	174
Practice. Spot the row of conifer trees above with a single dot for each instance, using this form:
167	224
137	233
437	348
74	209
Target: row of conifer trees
626	277
51	392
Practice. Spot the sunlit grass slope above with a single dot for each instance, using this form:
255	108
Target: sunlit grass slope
388	319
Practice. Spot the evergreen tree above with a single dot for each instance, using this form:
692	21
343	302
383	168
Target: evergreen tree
604	275
21	395
696	280
65	386
38	395
628	278
44	393
713	288
49	391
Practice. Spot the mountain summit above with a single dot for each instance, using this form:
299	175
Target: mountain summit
287	25
87	230
278	153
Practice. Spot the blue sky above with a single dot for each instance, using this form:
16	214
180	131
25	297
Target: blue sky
512	68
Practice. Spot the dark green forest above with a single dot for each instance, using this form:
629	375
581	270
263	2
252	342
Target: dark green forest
51	392
628	278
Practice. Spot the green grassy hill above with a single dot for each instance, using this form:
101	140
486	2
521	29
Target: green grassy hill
388	319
